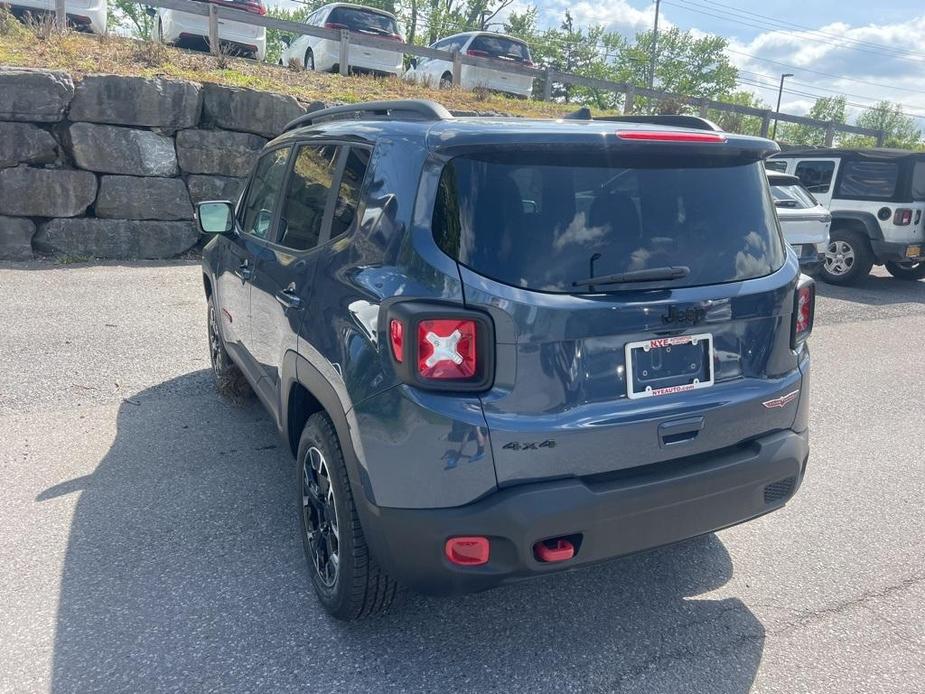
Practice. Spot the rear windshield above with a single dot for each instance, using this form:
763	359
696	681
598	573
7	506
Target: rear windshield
501	47
792	196
361	20
540	222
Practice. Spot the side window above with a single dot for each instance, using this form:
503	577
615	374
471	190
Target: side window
257	212
348	194
776	165
868	179
918	181
816	176
300	223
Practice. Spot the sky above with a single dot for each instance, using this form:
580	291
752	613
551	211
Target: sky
866	50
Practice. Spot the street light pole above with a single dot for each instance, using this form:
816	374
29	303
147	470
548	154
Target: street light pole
654	46
780	93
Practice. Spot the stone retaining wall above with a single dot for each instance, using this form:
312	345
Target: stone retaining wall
111	166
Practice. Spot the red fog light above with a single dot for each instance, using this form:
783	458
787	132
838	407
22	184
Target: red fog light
467	551
447	349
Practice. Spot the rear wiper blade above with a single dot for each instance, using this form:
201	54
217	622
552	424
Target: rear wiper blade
652	274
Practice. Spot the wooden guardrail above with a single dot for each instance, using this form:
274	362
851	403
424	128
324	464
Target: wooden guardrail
347	39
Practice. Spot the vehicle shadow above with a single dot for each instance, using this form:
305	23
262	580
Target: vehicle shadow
184	571
876	290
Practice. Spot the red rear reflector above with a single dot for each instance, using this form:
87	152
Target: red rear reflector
446	349
554	550
669	136
397	339
467	551
902	217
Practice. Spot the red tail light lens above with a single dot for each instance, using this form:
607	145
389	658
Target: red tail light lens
804	311
397	339
467	551
902	217
447	349
669	136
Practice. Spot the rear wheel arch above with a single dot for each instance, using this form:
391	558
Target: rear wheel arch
863	223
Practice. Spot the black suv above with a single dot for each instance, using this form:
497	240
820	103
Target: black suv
500	348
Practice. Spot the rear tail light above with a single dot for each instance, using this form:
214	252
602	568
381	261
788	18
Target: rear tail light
477	53
447	349
335	25
467	551
804	311
440	347
902	217
670	136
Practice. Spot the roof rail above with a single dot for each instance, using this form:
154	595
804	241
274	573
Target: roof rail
400	109
677	121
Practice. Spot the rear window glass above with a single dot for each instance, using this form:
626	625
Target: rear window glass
793	196
776	166
501	47
361	20
868	179
918	181
540	222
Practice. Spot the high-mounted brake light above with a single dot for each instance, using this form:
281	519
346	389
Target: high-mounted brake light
447	349
475	53
670	136
804	311
335	25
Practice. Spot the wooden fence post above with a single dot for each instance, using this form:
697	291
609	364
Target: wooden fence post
214	45
628	100
766	123
344	56
60	15
829	134
547	84
457	69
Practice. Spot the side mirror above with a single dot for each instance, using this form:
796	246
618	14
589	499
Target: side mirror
214	216
150	11
286	39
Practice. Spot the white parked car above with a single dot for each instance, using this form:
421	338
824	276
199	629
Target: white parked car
323	55
479	44
804	221
84	15
192	30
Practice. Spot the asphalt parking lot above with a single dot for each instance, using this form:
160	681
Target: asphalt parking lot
148	539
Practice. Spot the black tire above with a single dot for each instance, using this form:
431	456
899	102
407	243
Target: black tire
848	258
908	271
229	380
359	588
309	61
446	80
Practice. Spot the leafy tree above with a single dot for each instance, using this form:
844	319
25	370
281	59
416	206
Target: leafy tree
134	17
826	108
275	43
899	129
738	122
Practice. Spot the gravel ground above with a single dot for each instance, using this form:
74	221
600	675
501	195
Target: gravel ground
148	540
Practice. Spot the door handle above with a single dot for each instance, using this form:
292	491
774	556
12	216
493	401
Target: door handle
244	270
288	298
679	431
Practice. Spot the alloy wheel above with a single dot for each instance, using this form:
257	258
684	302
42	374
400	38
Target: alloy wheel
319	514
839	258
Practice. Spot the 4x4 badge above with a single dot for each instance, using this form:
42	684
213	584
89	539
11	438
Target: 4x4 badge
782	400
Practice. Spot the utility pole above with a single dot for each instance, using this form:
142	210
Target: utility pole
654	46
780	93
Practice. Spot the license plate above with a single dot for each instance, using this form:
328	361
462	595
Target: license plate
666	365
913	251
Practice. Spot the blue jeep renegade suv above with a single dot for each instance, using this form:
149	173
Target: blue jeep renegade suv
501	347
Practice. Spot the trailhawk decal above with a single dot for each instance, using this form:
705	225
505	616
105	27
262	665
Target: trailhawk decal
782	400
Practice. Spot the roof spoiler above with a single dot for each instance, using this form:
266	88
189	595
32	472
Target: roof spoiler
675	121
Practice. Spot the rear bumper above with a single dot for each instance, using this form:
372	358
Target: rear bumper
607	516
888	250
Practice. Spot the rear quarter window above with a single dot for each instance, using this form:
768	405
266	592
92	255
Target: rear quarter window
868	179
540	222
